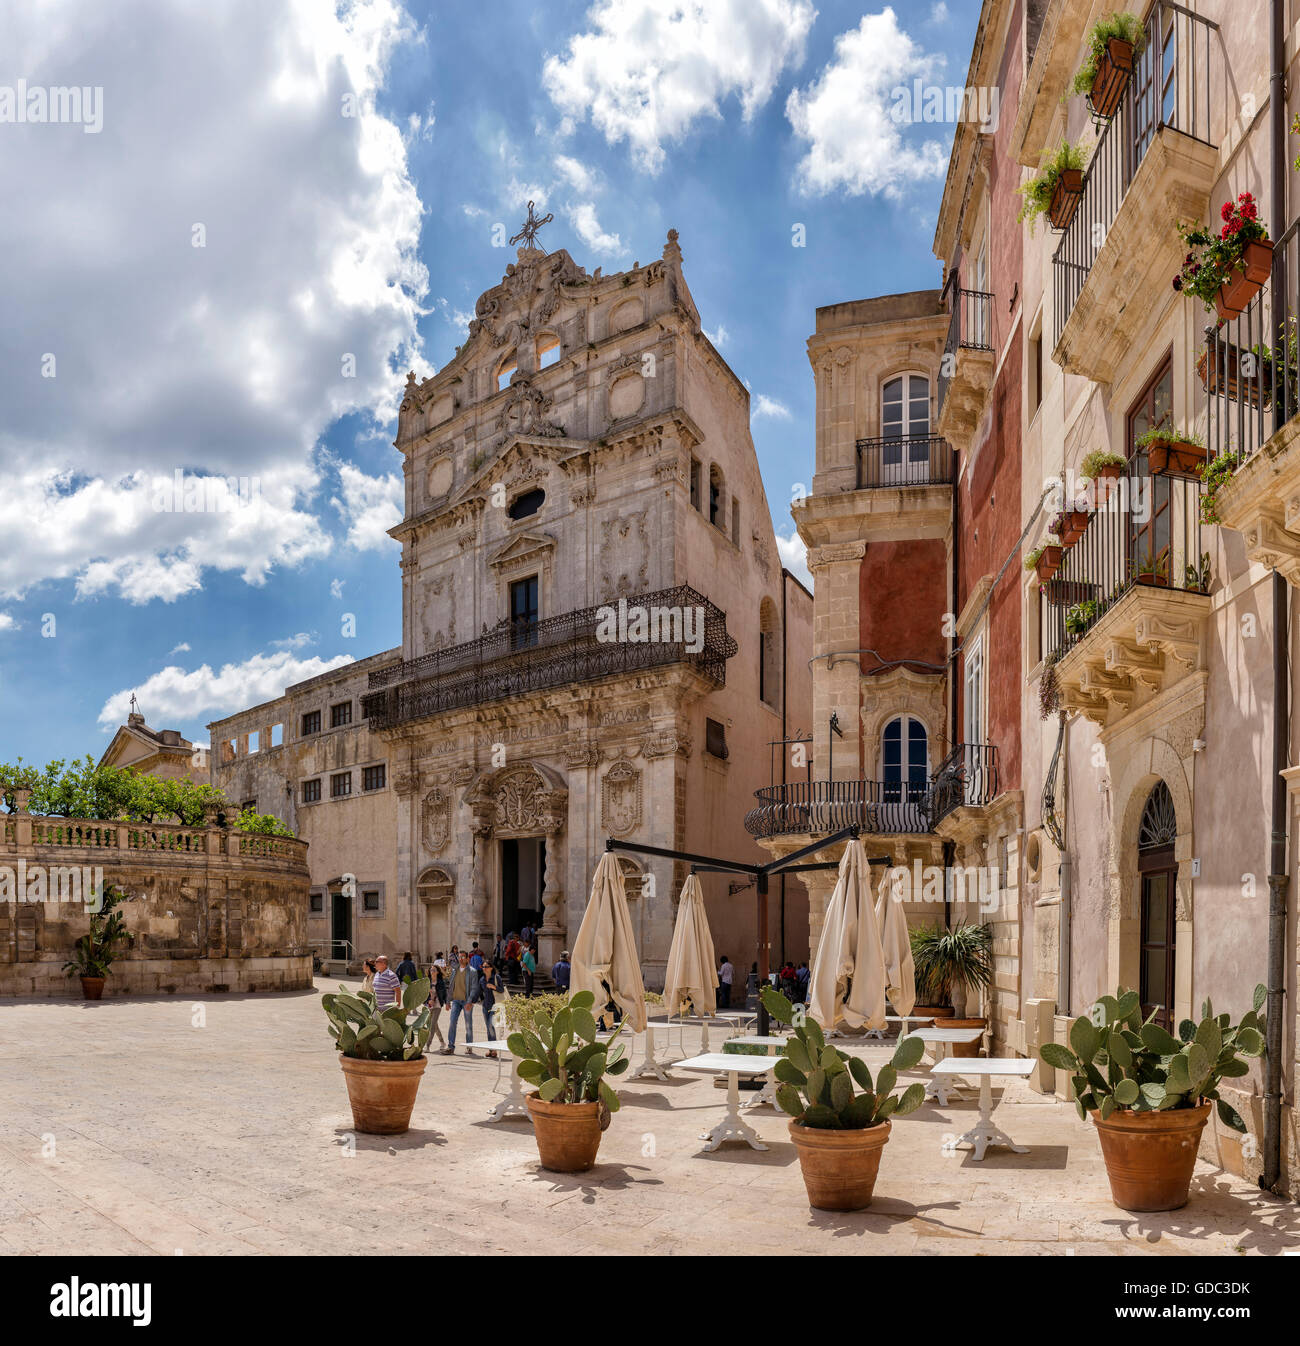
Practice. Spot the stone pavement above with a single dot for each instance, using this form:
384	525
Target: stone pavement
129	1126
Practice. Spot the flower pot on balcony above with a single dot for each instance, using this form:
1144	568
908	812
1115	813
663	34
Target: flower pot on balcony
1066	196
1066	593
1246	282
1156	577
1226	375
1073	524
1176	458
1113	71
1048	563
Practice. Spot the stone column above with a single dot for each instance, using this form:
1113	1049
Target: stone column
482	830
551	935
836	609
406	784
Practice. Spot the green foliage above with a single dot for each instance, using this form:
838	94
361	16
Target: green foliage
1080	616
1212	258
1196	578
1094	462
1117	1059
95	952
1166	431
520	1012
947	958
266	824
1215	475
1126	27
1032	557
561	1058
1037	193
825	1077
361	1031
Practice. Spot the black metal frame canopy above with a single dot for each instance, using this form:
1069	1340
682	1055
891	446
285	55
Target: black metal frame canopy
710	864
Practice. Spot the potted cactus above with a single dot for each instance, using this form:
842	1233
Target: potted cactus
839	1134
382	1054
573	1102
1149	1093
94	953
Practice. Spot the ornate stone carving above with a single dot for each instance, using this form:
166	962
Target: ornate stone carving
624	554
406	781
621	799
666	743
435	820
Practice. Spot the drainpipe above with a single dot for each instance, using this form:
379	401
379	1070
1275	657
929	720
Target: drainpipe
1277	878
1065	876
785	732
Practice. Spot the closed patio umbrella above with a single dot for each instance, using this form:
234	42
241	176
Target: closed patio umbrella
691	976
605	959
848	976
900	971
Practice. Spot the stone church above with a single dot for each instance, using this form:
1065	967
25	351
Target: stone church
598	640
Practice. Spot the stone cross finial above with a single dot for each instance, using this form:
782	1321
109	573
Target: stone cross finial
528	234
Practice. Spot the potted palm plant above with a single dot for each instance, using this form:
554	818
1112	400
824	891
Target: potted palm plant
839	1134
950	964
573	1102
95	952
1152	568
382	1054
1149	1093
1112	45
1057	188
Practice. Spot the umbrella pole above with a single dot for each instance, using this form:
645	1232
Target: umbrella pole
763	969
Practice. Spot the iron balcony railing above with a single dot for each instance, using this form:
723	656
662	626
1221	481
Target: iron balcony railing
970	327
1147	533
669	626
821	806
1249	367
1169	87
913	460
967	777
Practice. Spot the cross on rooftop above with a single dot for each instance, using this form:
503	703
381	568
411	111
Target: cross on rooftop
528	234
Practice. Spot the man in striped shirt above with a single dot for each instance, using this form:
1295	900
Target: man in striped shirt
387	984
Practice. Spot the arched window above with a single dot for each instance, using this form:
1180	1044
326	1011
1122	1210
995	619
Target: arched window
1158	874
506	369
548	350
905	428
769	654
717	498
905	759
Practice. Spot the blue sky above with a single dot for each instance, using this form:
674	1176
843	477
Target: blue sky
202	264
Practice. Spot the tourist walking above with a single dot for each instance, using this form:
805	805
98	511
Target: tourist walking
562	973
512	958
406	969
475	956
726	974
439	974
529	964
464	984
490	986
435	1004
368	980
388	985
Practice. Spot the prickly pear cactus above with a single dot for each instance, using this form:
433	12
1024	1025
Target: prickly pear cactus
361	1031
561	1057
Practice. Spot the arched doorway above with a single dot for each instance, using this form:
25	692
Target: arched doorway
1157	875
434	889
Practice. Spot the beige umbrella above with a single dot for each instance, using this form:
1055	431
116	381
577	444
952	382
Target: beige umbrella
604	959
900	971
849	950
691	976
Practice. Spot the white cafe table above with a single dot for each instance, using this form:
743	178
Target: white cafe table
768	1092
984	1133
941	1084
732	1127
512	1105
650	1063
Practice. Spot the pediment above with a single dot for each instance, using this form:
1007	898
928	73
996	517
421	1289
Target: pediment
523	547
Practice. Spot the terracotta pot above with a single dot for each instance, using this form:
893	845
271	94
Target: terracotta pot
1113	70
966	1048
382	1093
1244	284
1066	593
1150	1155
1048	563
1066	196
1074	526
1176	458
92	988
931	1012
568	1134
839	1167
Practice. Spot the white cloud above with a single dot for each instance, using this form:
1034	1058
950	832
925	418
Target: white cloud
939	13
646	70
794	556
224	359
370	506
7	622
175	694
769	406
582	179
336	588
720	337
295	642
182	648
854	142
583	218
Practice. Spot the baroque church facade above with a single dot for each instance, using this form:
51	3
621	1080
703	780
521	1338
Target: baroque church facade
599	640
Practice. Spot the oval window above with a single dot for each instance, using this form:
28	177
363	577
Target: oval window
524	505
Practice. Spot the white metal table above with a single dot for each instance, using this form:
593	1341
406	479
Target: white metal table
984	1133
650	1064
512	1105
732	1127
768	1092
940	1085
905	1019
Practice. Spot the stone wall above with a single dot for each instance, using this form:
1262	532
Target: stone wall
212	910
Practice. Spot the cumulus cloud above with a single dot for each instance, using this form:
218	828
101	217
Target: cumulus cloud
720	337
202	693
645	70
128	350
182	648
854	142
7	622
794	556
582	179
583	218
370	506
769	406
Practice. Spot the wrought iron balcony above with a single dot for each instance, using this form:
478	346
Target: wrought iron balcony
578	646
966	778
970	328
916	460
1169	88
821	807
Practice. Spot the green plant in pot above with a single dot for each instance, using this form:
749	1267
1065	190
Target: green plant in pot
94	954
950	965
572	1103
1149	1093
1080	616
1056	189
1216	474
1113	43
382	1053
839	1133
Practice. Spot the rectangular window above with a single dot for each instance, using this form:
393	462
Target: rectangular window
523	613
311	791
250	805
318	904
373	777
695	483
311	723
1035	389
715	739
341	785
370	901
735	521
340	714
277	735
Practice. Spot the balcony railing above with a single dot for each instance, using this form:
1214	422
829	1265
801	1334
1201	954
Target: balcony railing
970	327
915	460
819	807
1249	367
967	777
1147	533
1169	87
670	626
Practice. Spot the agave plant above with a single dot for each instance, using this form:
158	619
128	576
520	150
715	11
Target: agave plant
560	1056
362	1031
1117	1059
825	1077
